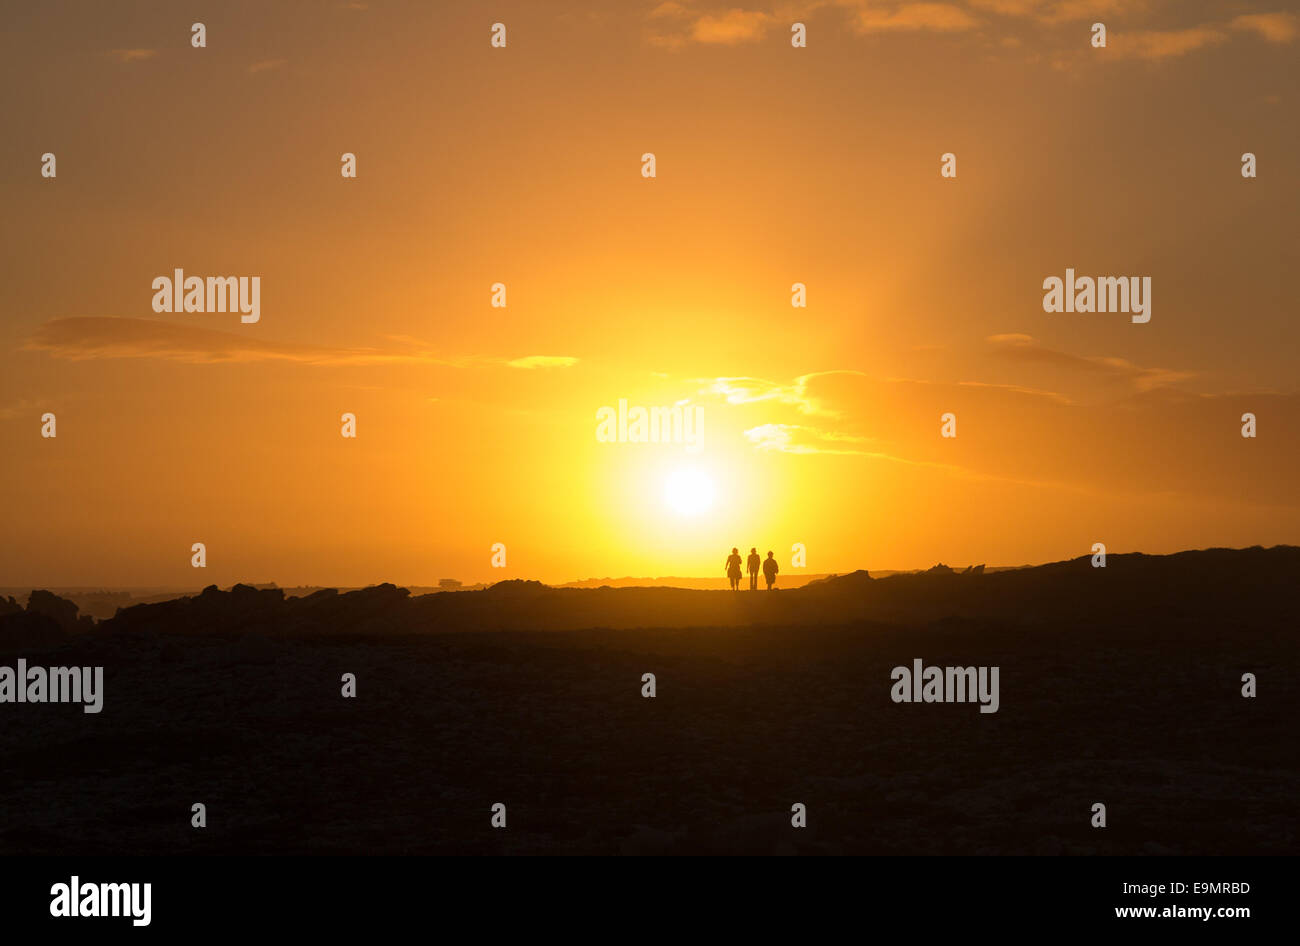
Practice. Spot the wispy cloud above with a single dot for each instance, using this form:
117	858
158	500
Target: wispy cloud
1167	31
81	339
266	65
84	339
1025	348
1155	45
1070	11
669	27
1063	11
669	9
543	361
798	438
132	55
1008	7
1175	42
1274	27
807	441
1128	434
731	27
754	390
913	17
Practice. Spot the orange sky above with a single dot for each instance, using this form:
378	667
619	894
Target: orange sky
522	165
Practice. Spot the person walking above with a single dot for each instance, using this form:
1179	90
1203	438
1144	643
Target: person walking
752	565
770	568
733	569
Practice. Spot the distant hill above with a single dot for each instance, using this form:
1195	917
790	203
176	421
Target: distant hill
104	603
1232	585
1121	684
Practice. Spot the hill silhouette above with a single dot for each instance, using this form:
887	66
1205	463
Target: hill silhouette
1231	584
1118	685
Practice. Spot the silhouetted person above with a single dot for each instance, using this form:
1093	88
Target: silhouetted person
770	568
752	565
733	569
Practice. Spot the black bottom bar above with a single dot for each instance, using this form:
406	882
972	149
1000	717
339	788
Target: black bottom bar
218	896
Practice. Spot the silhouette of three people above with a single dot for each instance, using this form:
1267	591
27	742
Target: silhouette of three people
753	565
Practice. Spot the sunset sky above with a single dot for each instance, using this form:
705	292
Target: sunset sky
522	165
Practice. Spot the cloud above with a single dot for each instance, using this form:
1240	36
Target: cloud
133	55
265	65
754	390
730	28
1069	11
1274	27
1018	389
1060	11
797	438
910	17
1155	45
805	441
677	23
543	361
1026	349
1144	437
81	339
1008	7
669	9
672	16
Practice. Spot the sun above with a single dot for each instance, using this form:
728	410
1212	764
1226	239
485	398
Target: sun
688	492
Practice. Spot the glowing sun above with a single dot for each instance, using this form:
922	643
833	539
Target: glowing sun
688	492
